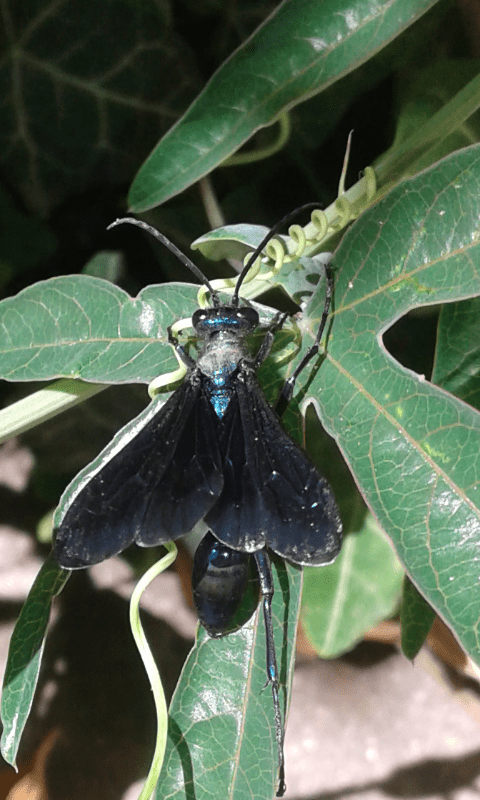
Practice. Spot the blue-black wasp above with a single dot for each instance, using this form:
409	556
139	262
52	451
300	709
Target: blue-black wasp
215	451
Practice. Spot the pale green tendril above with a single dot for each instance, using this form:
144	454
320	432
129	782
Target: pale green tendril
306	240
151	669
346	158
261	153
162	383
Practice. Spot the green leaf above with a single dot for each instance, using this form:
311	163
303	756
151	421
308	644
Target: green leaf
230	241
25	656
412	447
221	740
83	327
431	89
298	277
302	48
456	370
107	265
416	619
83	94
342	601
457	357
438	135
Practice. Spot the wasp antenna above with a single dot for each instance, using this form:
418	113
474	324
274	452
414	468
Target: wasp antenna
173	249
271	233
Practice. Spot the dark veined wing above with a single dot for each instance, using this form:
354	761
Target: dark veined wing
240	518
272	493
152	490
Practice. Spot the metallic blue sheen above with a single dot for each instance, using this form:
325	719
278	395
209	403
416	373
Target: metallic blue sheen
221	323
213	554
220	389
220	401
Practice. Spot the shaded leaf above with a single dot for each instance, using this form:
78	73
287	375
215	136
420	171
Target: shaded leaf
416	619
25	655
107	265
435	135
342	601
82	99
25	241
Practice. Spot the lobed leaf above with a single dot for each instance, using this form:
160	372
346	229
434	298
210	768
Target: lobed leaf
79	326
412	447
457	357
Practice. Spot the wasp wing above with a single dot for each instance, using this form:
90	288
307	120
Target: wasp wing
152	490
272	493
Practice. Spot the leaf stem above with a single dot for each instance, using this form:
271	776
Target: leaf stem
151	669
45	404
